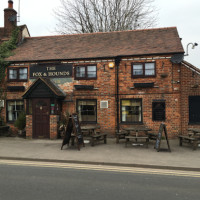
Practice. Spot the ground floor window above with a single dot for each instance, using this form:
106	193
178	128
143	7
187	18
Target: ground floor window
87	110
14	107
131	110
158	111
194	109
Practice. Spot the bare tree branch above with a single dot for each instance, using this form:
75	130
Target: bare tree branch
88	16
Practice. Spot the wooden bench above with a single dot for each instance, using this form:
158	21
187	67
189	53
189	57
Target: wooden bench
152	136
189	140
137	140
121	135
98	137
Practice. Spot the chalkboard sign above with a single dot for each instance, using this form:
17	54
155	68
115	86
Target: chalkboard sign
159	137
77	130
68	132
73	126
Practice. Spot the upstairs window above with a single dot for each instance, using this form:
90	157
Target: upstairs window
17	74
143	69
86	72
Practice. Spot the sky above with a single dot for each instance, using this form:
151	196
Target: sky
184	14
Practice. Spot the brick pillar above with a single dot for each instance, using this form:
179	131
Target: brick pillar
29	126
54	126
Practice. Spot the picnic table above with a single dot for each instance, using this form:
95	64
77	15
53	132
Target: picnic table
137	135
192	138
92	132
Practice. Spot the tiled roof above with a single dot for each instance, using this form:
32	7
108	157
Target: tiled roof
99	45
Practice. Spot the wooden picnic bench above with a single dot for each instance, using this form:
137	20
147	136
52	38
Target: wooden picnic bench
137	140
193	141
97	136
121	135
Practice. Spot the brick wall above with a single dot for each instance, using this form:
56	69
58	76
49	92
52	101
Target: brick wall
172	84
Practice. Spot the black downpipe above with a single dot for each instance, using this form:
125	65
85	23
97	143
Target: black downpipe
117	62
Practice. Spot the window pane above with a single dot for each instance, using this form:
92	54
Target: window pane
91	71
80	72
137	69
12	74
23	74
13	109
87	110
131	110
149	69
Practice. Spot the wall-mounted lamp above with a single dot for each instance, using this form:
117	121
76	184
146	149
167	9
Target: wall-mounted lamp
111	65
193	46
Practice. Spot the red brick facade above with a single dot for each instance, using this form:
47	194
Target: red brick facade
173	83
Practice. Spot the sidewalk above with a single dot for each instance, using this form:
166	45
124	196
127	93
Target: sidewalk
110	154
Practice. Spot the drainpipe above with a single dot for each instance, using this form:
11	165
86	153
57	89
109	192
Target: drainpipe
117	62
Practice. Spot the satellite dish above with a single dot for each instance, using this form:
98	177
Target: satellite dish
177	58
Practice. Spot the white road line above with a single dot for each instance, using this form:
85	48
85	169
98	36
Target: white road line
103	168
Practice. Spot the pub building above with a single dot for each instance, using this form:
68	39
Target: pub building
113	79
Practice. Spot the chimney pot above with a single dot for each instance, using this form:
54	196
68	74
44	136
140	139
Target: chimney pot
10	4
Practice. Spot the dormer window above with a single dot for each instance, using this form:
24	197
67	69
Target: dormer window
143	69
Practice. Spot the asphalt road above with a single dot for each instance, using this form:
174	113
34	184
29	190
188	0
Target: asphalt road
22	182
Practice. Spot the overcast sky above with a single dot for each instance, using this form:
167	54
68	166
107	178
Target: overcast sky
184	14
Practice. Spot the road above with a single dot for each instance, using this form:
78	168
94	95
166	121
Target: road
51	181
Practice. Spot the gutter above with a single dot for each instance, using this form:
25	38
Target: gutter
117	63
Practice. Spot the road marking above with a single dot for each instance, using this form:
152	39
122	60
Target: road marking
102	168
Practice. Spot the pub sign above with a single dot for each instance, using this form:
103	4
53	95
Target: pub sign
51	70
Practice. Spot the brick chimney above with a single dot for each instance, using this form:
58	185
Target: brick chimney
10	19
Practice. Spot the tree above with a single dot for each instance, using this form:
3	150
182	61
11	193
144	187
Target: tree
6	51
88	16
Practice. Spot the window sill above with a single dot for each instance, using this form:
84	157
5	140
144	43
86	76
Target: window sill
194	123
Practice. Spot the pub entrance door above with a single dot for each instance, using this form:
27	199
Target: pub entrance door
41	117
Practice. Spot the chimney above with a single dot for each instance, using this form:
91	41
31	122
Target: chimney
10	4
10	19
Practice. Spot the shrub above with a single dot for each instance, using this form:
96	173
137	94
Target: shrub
20	123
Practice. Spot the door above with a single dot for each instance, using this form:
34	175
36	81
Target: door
41	111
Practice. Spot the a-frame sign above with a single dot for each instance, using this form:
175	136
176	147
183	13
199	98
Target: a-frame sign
73	126
159	138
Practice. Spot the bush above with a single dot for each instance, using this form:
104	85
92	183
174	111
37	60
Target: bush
20	123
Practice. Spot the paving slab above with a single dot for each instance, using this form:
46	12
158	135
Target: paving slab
110	153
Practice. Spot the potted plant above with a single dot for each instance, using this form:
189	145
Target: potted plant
20	123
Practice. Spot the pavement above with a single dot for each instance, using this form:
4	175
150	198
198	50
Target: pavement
180	158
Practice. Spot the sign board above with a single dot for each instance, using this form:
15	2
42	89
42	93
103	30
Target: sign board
51	70
68	132
77	129
73	126
159	137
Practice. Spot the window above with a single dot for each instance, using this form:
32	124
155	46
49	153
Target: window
131	110
13	109
158	111
86	72
194	109
87	110
17	74
143	69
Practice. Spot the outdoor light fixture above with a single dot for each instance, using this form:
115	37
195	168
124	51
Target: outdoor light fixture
193	46
111	65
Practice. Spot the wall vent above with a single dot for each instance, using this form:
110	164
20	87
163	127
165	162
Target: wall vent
1	103
104	104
